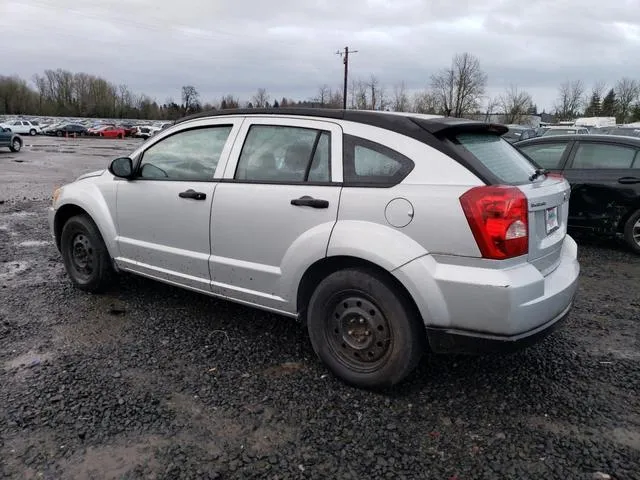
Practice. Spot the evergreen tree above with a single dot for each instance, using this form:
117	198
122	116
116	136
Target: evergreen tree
609	105
594	108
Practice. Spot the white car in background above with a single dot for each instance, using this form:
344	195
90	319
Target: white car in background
23	127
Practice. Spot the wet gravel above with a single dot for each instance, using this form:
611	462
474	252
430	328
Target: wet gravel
150	381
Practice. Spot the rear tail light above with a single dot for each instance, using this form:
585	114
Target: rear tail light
499	220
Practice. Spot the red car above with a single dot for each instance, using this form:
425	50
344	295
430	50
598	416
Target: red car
112	132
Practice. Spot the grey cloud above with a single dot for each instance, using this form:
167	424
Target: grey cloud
289	46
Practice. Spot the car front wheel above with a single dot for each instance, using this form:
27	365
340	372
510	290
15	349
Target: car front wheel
632	231
85	255
364	328
16	145
32	132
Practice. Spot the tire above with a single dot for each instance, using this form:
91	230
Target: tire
120	136
85	255
59	133
32	132
16	145
632	231
364	329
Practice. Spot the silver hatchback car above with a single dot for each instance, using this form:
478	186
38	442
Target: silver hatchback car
386	234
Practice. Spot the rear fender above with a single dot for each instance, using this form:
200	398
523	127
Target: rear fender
384	246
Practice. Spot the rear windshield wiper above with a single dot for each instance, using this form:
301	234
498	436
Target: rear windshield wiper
539	172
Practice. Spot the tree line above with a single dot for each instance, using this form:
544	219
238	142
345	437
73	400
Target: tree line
458	90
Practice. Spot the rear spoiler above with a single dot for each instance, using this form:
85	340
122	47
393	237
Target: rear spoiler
451	125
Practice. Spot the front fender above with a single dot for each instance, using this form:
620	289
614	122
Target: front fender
384	246
98	200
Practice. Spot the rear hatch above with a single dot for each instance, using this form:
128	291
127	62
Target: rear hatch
499	163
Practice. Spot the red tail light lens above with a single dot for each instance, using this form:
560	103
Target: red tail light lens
499	219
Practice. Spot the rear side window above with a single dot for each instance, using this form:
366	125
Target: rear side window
602	155
370	163
547	155
498	156
273	153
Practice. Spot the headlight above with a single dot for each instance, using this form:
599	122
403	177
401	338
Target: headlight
56	194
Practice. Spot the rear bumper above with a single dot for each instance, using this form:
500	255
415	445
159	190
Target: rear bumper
443	340
471	305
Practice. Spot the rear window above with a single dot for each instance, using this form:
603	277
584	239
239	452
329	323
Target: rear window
498	156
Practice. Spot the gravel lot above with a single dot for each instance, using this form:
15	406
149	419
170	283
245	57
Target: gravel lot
150	381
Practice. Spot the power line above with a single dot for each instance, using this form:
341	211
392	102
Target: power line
345	59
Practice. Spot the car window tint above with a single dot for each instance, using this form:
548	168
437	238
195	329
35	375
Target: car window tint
636	162
368	162
547	155
186	155
273	153
602	155
498	156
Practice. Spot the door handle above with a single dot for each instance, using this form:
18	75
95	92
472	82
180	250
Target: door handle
307	201
193	194
628	180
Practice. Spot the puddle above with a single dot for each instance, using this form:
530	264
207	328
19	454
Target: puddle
27	360
34	243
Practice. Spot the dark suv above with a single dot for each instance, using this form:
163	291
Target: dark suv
604	173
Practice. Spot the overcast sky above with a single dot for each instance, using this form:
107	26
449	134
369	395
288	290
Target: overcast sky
288	46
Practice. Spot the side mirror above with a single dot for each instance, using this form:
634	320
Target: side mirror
122	167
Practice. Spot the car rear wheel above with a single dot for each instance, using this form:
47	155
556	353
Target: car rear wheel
632	231
364	329
16	145
32	132
85	255
59	133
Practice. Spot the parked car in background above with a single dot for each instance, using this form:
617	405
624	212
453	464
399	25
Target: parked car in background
604	172
129	129
143	132
622	131
551	131
96	129
380	231
518	132
112	132
23	127
10	139
68	129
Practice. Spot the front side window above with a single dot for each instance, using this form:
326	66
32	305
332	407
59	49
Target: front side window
187	155
547	155
273	153
602	155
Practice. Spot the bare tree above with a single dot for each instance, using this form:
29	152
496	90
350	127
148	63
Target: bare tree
570	98
324	94
515	104
261	98
190	98
229	102
426	102
400	98
627	91
373	85
358	93
460	86
492	104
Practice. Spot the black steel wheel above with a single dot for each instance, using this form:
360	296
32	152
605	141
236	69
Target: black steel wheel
632	231
16	145
85	255
364	328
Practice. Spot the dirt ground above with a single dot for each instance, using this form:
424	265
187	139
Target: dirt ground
150	381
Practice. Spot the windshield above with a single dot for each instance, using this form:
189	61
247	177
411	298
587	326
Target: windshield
498	156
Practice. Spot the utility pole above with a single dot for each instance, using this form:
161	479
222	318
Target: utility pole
345	59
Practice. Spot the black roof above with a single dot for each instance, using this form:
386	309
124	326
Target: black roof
405	124
618	139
